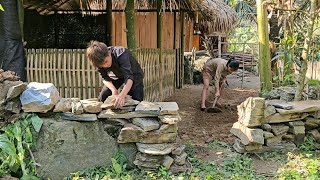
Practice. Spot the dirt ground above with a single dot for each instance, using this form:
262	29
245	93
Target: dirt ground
201	127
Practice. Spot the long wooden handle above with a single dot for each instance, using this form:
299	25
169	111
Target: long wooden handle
215	101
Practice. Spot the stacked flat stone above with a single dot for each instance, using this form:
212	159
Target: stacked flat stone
263	124
10	90
152	126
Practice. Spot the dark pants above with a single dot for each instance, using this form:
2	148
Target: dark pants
136	90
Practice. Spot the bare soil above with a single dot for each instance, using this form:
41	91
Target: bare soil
201	128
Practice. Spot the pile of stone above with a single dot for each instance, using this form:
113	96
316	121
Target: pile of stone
286	93
87	132
10	89
263	124
152	126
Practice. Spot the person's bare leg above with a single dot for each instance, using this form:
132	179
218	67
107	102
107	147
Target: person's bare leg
205	91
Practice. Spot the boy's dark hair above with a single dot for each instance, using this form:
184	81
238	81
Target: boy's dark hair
233	64
97	52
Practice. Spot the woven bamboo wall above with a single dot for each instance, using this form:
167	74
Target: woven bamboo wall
72	74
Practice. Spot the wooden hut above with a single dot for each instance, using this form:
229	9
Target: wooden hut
58	63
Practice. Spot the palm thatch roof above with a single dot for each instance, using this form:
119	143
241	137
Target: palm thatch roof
215	15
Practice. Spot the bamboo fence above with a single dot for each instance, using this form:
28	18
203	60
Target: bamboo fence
74	76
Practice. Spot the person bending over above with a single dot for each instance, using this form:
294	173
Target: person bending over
218	69
117	66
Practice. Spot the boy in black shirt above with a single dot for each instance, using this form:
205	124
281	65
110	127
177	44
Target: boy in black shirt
117	66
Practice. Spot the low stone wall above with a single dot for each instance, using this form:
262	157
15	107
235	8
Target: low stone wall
264	124
78	134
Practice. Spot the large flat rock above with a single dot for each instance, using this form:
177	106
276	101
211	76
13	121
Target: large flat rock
64	147
301	107
247	135
278	118
167	108
107	114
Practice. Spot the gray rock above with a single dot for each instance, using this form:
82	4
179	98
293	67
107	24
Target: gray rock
297	130
148	108
238	146
64	147
65	104
77	108
274	140
267	135
299	139
81	117
279	104
167	161
278	118
170	119
279	129
302	107
149	162
13	106
316	135
168	108
130	150
91	105
108	103
288	137
247	135
296	123
109	114
132	133
147	124
266	127
253	148
282	147
180	159
155	149
269	110
15	91
251	111
179	150
175	169
39	97
5	86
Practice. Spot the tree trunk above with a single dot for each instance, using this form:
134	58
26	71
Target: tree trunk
264	51
304	55
11	47
131	40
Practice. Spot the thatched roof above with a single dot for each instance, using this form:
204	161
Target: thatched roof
215	15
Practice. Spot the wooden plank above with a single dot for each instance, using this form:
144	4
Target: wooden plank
83	85
123	30
137	28
74	76
153	32
78	60
114	37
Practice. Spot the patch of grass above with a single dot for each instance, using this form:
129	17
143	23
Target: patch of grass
272	156
190	149
309	145
216	143
300	167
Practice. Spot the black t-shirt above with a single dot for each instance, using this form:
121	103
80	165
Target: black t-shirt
124	66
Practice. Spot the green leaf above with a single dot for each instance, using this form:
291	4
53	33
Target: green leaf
36	122
1	8
116	166
7	146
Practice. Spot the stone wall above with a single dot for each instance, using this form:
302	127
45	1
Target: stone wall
263	124
78	134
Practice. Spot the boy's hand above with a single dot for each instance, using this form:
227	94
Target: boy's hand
115	92
217	94
119	102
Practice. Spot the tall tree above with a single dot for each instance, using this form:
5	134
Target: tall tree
131	40
304	55
264	51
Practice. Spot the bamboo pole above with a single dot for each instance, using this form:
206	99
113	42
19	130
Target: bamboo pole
131	41
159	46
264	51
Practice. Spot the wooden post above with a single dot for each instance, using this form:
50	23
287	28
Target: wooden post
264	51
159	46
182	47
219	46
109	23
